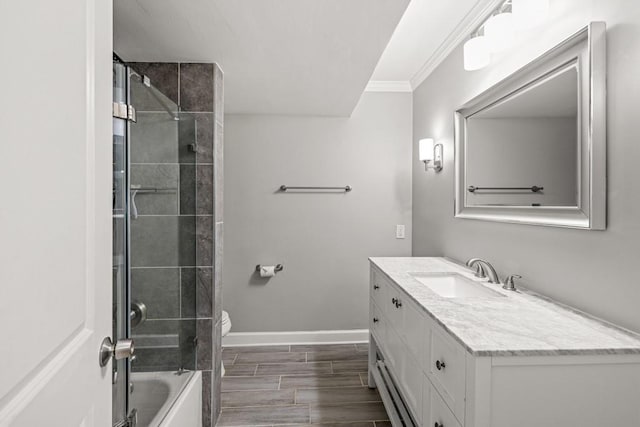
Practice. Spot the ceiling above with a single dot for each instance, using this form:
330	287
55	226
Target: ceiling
311	57
426	28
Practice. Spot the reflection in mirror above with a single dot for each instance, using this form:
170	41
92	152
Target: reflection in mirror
524	150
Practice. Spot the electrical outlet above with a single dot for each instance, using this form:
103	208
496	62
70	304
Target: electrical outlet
399	231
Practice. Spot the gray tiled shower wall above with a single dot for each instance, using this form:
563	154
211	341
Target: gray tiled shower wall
176	240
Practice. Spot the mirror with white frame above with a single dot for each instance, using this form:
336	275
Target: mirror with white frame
532	149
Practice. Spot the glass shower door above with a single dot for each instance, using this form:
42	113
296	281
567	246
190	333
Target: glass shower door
154	246
120	269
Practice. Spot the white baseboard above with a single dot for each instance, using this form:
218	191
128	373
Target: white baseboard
296	337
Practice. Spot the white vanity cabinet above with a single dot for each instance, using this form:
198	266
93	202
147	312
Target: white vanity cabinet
441	383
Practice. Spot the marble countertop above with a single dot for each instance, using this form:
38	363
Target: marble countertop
521	323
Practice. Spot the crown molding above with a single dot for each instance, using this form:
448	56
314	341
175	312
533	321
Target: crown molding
472	20
388	86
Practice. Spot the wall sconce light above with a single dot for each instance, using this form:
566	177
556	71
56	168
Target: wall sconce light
429	152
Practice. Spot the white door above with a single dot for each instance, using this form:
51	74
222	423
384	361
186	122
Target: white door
55	211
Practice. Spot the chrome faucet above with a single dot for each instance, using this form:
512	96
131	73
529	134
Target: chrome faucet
484	269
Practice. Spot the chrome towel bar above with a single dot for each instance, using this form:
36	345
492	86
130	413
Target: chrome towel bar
533	189
346	188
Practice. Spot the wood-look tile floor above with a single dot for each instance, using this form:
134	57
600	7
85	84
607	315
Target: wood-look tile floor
299	385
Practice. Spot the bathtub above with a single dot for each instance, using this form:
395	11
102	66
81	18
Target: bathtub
166	399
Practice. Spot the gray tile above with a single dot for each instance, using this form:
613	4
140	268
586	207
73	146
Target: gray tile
187	189
217	273
233	399
163	75
218	173
158	289
178	354
320	381
337	395
217	388
218	92
335	413
188	292
364	379
206	399
163	241
256	349
187	138
204	330
196	87
154	139
323	347
362	347
271	357
250	383
204	295
264	415
204	189
350	366
240	370
159	176
205	135
229	358
204	241
337	355
156	359
294	368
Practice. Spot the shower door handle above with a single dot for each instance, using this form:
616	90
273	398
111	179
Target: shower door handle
122	349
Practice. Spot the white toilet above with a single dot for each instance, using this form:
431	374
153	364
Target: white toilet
226	327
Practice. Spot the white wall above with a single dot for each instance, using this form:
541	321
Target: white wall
592	270
323	239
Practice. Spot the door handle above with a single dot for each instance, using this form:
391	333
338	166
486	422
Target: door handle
122	349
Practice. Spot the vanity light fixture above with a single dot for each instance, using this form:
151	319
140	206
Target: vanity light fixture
476	53
529	13
429	152
498	32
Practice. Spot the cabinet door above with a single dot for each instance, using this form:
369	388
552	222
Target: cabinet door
414	330
393	351
447	370
411	385
437	413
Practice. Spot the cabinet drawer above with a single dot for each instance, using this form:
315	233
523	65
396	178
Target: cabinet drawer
378	287
377	323
447	370
434	411
393	307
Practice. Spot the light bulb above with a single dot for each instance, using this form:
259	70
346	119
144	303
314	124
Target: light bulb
499	31
425	150
529	13
476	53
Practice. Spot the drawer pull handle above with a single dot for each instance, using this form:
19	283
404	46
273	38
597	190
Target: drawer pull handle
437	424
440	365
376	287
394	301
398	304
375	320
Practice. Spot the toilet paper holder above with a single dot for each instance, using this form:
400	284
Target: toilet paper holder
279	267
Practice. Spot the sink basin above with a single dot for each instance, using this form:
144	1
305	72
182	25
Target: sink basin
454	285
